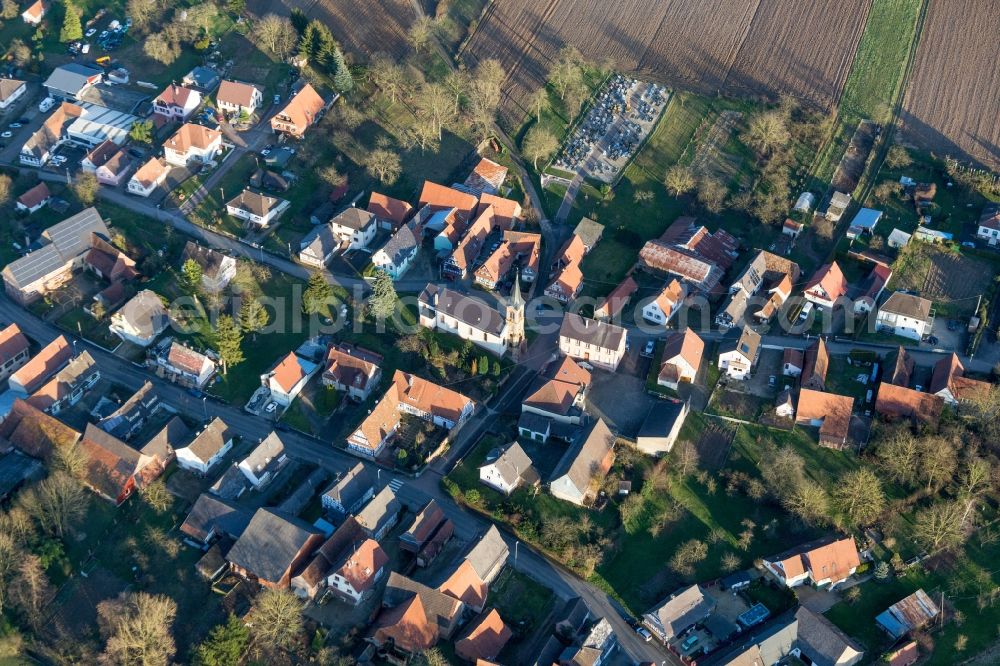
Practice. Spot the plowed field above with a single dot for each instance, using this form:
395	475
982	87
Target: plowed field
736	46
953	99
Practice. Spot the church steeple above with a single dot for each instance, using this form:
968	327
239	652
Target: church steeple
515	295
515	317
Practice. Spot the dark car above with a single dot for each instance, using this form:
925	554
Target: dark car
932	339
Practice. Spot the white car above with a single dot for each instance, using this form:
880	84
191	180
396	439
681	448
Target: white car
7	135
46	104
90	32
14	125
806	309
59	160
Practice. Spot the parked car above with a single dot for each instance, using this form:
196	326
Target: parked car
90	32
932	340
15	125
689	642
7	135
277	99
59	160
644	633
968	244
46	104
806	310
650	346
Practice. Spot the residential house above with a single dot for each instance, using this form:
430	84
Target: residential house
237	98
33	374
63	248
445	226
898	368
392	214
425	525
318	246
828	411
177	102
689	252
272	546
11	90
110	298
34	13
838	204
864	222
560	394
148	177
535	427
792	228
185	366
589	232
820	641
14	351
217	269
133	414
211	518
114	469
517	248
204	78
485	639
113	171
380	514
302	111
596	342
678	613
108	262
568	279
141	319
314	578
815	365
98	156
681	360
256	207
395	256
597	647
792	362
70	81
486	177
207	449
404	630
739	352
611	306
509	471
661	427
459	264
469	318
906	315
35	433
353	370
895	402
67	386
824	563
949	382
192	143
760	291
350	492
264	461
359	572
582	463
34	199
989	224
470	582
375	432
662	308
288	377
908	615
354	228
784	404
872	289
439	198
826	286
164	444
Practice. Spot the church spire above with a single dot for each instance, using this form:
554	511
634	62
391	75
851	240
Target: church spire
515	294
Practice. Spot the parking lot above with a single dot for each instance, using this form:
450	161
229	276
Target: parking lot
622	116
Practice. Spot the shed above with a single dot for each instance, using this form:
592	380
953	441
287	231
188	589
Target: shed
899	238
805	202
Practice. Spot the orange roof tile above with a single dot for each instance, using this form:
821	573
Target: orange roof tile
383	421
174	95
386	208
830	279
617	299
361	566
406	626
34	196
12	342
428	397
301	110
834	411
833	560
46	362
439	197
236	93
670	297
466	586
151	171
485	640
817	361
569	280
899	401
191	135
687	345
507	210
289	372
572	252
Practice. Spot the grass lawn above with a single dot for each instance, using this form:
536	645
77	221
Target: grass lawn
673	134
213	206
295	417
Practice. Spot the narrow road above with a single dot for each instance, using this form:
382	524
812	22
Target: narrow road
566	207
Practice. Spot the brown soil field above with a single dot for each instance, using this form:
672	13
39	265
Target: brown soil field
707	46
363	27
852	165
952	101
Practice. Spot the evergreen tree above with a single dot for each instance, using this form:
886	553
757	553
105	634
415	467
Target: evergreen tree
225	644
72	29
326	47
228	341
318	294
484	364
307	45
342	79
299	20
236	6
191	272
496	368
253	315
383	300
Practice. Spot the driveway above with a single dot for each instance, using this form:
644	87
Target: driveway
620	399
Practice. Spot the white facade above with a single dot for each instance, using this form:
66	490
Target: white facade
259	220
903	326
652	312
735	364
340	584
603	357
189	460
193	153
492	342
382	261
14	96
988	234
355	239
685	372
491	476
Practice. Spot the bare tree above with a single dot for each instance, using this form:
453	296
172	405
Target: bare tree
859	496
687	555
8	10
388	77
712	194
421	33
898	453
276	34
456	82
484	95
6	186
809	502
31	590
72	459
538	101
938	461
137	627
434	102
276	620
566	71
157	496
783	471
898	158
686	458
143	13
20	52
11	556
160	48
539	144
384	164
55	502
767	132
331	176
679	179
730	562
975	481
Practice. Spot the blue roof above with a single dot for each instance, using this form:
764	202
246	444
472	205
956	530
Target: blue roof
757	614
438	219
888	621
867	218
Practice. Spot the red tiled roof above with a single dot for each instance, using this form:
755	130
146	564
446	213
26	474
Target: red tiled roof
406	626
439	197
485	640
833	560
34	432
289	372
898	401
618	297
46	362
428	397
386	208
174	95
361	566
192	135
302	110
834	410
235	93
830	279
12	343
34	196
466	586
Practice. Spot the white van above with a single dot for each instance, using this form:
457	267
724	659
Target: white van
806	309
46	104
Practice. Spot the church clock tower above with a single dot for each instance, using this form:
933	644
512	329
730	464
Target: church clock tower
515	319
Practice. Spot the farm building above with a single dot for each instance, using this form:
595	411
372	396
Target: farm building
908	614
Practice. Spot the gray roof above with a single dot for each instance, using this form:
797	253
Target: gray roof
211	512
821	641
231	484
580	460
682	610
139	406
746	342
488	553
169	437
354	218
598	333
472	311
439	608
211	440
15	468
402	244
71	77
661	418
589	231
268	451
534	422
352	486
145	313
319	243
908	305
67	240
270	543
379	510
255	203
210	260
514	464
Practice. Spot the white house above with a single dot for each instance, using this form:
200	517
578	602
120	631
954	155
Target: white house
207	449
192	143
256	208
217	269
236	97
906	315
467	317
662	427
681	360
596	342
35	12
34	199
351	491
666	304
141	319
149	176
185	366
359	573
826	286
824	563
264	461
509	471
590	459
288	377
177	102
396	255
738	354
11	90
355	228
318	246
989	224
